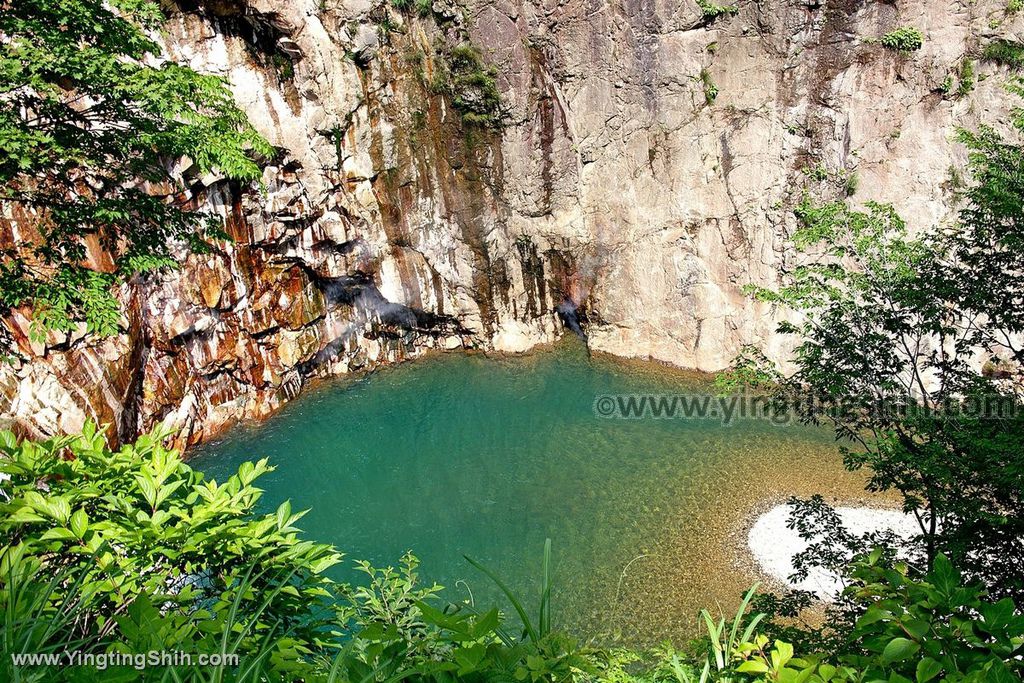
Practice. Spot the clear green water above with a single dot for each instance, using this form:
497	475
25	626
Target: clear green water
468	455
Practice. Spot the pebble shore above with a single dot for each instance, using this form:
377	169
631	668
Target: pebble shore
773	545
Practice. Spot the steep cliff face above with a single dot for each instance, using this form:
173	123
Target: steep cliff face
644	170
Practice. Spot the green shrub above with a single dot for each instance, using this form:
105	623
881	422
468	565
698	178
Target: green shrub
131	551
710	89
966	84
931	627
473	87
904	39
283	66
141	536
711	11
1006	52
850	184
817	172
386	26
423	8
908	628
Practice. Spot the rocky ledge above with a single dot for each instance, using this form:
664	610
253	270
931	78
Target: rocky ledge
454	175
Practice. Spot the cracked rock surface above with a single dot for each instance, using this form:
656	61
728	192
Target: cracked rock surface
645	170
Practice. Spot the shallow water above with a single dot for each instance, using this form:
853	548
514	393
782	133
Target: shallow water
469	455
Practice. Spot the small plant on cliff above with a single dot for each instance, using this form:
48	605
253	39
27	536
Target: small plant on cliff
283	66
471	85
904	39
423	8
710	89
851	183
946	87
90	124
385	26
711	11
1006	52
818	172
966	84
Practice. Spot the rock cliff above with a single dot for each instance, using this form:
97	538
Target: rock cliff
486	174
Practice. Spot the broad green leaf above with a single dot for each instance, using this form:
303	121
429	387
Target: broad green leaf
754	666
899	649
79	523
927	669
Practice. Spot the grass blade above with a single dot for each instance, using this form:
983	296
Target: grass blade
518	606
544	626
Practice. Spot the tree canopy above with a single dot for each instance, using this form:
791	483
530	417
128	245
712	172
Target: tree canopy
910	345
93	119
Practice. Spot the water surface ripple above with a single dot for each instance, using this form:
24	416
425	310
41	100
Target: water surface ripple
469	455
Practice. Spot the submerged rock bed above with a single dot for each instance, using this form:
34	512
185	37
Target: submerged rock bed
464	454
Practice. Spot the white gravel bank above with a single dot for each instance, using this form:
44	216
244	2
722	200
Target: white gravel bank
774	546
